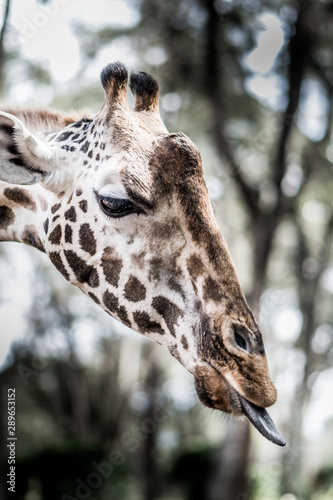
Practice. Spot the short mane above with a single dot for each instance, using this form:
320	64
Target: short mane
42	121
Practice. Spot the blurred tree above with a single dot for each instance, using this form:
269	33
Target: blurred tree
198	48
2	42
192	471
309	271
150	463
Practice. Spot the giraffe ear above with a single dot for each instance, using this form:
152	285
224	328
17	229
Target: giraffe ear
25	159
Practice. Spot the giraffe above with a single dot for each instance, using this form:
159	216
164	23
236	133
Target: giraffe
121	208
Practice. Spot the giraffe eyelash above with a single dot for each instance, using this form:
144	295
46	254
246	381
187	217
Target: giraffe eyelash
117	207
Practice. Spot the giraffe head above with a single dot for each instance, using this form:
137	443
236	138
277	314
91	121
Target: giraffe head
130	223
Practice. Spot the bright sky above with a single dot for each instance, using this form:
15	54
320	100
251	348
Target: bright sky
45	35
45	32
267	86
262	84
269	43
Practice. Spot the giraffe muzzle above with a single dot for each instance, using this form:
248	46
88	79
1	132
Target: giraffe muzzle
215	391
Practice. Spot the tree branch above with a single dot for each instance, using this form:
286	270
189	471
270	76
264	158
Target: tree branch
308	293
216	104
250	195
298	49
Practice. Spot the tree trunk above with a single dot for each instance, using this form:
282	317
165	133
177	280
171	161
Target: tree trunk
292	458
149	467
229	479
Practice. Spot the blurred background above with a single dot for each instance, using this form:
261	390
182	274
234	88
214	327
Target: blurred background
102	413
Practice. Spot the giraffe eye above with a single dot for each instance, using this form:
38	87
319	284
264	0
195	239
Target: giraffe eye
241	338
117	207
240	341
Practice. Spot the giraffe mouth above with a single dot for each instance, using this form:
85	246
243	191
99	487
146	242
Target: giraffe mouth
261	420
229	400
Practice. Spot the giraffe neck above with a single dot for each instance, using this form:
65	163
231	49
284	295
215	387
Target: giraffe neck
23	212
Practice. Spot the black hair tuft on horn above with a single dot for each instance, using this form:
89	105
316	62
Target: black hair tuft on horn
143	83
114	75
145	89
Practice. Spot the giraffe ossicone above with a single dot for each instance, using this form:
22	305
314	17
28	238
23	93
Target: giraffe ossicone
121	208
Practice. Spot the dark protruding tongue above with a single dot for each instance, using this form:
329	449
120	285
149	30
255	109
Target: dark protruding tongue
261	420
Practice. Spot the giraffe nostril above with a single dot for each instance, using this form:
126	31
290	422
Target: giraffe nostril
240	341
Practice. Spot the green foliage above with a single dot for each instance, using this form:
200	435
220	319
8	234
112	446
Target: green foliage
323	484
192	469
59	470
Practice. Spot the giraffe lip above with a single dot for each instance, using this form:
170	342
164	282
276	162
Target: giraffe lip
261	420
258	416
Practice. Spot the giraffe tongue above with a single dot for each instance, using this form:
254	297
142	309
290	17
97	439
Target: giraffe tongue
261	420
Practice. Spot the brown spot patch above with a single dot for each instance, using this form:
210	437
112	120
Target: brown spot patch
134	290
155	269
175	353
175	285
166	230
138	260
87	239
31	237
111	302
21	197
71	214
55	235
230	308
55	208
163	267
68	233
85	147
46	226
64	136
84	205
56	259
112	266
7	217
195	266
145	324
78	192
212	291
83	272
169	311
184	342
